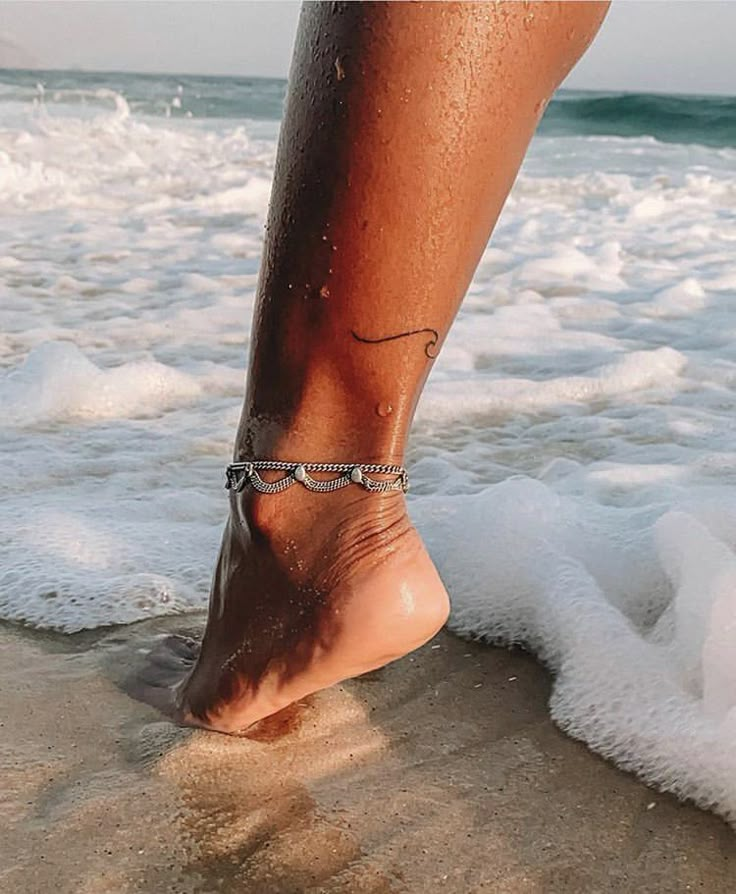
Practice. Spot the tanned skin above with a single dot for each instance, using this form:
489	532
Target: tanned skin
404	129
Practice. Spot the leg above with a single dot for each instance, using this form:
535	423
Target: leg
405	127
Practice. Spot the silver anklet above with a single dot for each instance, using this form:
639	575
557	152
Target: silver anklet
239	475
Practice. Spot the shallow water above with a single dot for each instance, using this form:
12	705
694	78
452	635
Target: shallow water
573	460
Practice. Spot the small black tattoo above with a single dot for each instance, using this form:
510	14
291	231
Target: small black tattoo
430	349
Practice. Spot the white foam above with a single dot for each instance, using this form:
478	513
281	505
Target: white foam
636	618
58	383
573	460
446	400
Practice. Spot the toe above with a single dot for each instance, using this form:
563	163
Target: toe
157	679
173	653
183	646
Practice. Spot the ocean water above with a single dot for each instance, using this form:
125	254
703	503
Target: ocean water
573	460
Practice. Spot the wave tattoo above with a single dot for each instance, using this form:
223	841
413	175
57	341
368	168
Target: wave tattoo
430	349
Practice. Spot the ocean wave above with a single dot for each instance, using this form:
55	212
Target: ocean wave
158	96
705	120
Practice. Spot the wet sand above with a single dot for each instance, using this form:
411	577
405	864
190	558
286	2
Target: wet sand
441	772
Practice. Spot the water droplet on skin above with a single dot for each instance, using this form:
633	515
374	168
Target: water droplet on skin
324	292
384	409
528	21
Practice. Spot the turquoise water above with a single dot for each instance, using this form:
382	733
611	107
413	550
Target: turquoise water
707	120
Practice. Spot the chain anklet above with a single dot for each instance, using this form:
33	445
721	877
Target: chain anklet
239	475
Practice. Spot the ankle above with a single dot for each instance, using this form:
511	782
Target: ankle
268	515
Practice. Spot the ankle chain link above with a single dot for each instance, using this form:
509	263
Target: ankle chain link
239	475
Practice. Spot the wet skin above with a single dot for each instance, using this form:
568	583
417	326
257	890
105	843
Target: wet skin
404	129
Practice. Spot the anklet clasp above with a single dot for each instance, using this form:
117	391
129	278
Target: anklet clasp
239	475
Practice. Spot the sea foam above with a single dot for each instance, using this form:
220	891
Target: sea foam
634	612
58	383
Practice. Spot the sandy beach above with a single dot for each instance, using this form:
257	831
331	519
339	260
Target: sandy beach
442	772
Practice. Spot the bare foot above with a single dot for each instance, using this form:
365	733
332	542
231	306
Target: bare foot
309	589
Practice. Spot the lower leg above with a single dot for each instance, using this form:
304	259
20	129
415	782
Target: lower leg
404	129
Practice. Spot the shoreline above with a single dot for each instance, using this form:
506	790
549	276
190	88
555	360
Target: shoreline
440	772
